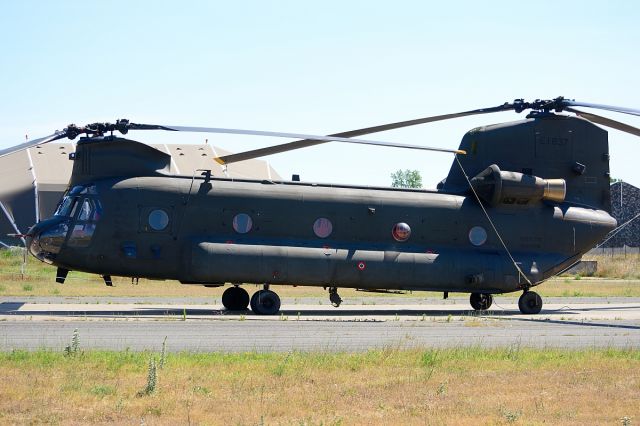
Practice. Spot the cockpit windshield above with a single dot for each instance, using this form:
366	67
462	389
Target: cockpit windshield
73	199
79	213
65	206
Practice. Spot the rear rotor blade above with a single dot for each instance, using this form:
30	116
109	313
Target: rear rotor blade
30	144
598	119
623	110
304	143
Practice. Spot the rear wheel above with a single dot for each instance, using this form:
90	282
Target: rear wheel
235	299
265	302
530	303
481	301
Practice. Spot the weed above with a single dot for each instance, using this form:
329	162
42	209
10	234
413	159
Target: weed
154	411
578	277
279	369
442	389
513	352
2	288
449	318
27	287
102	391
73	348
429	358
201	390
184	314
626	421
242	317
539	405
152	378
163	354
75	341
510	416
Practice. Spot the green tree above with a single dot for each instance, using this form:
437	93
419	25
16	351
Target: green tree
406	179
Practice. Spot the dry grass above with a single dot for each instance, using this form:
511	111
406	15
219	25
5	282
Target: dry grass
38	280
588	287
390	386
617	266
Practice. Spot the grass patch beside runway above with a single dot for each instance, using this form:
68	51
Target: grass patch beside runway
39	280
388	386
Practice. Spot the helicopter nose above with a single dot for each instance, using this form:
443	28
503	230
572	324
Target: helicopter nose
46	239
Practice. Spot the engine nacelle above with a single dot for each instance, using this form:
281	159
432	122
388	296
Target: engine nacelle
503	187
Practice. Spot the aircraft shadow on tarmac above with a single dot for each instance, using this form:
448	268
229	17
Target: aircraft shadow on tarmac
354	315
589	323
14	308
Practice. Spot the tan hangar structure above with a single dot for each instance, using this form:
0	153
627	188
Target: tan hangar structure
34	180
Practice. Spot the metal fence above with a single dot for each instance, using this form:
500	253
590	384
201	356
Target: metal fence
612	251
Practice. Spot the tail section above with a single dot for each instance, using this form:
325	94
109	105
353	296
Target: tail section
545	145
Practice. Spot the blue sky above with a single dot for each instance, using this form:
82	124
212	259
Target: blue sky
315	67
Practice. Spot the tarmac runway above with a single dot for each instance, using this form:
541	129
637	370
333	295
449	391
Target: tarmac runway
143	324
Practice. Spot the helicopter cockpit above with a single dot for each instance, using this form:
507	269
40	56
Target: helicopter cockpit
73	223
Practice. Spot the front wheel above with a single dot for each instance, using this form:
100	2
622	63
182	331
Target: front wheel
235	299
530	303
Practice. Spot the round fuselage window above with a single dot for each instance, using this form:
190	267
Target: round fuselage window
477	236
158	220
322	227
242	223
401	232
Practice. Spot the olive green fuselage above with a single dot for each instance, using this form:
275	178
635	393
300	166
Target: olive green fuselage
200	244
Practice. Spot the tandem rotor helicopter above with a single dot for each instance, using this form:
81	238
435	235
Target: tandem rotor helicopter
522	202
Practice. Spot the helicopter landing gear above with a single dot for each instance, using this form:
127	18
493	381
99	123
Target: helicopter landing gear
530	303
265	302
481	301
235	298
334	297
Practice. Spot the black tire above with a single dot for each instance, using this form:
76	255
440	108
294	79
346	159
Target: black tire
480	301
265	302
254	301
235	299
530	303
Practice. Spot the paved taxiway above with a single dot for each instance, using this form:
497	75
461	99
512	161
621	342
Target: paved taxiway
142	324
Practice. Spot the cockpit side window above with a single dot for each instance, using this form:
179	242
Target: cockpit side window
97	211
66	206
87	211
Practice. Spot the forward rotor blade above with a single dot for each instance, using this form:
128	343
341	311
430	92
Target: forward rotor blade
622	110
301	136
30	144
305	143
598	119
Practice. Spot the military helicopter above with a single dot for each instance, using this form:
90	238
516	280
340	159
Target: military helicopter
522	202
